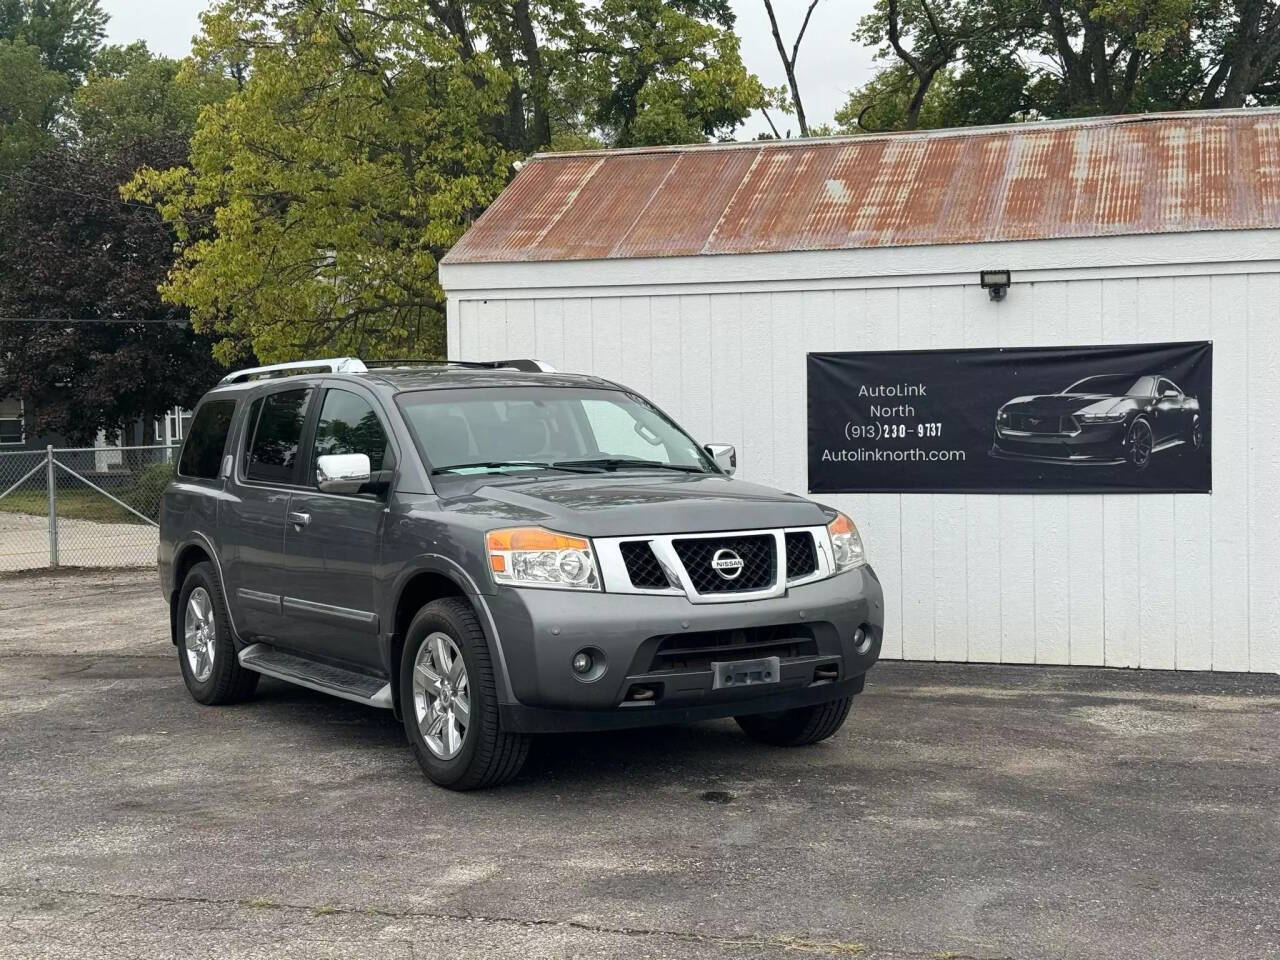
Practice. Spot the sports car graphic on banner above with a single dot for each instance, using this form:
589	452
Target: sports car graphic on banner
1076	419
1112	418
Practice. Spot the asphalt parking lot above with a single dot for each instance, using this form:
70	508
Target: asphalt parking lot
965	811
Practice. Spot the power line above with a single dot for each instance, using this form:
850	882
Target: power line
113	321
78	193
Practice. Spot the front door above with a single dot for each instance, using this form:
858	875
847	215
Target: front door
1169	415
331	540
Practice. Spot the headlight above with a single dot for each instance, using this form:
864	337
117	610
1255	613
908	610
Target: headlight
847	551
1100	417
1002	415
533	557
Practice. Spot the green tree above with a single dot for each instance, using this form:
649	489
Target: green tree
131	97
982	61
66	32
1241	40
665	72
72	250
321	195
364	137
30	98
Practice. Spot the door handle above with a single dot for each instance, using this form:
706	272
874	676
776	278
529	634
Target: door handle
299	519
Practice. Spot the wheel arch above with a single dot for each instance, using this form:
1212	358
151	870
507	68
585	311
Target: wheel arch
433	577
184	559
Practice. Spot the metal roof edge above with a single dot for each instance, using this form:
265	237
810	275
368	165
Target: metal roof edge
1027	126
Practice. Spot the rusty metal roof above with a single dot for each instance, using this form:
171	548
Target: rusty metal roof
1152	173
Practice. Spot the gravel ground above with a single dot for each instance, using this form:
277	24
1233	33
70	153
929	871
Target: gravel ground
964	811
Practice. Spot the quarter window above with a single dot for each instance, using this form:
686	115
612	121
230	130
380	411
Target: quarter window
273	454
202	453
348	424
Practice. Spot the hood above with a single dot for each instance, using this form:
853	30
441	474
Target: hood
629	502
1056	404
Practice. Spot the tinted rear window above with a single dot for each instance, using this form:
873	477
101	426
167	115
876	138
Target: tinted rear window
202	453
273	455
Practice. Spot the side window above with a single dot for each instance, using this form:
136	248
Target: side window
273	452
207	438
348	424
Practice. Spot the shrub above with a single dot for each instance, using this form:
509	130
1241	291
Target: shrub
148	484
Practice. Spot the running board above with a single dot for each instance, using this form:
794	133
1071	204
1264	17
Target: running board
316	675
1166	445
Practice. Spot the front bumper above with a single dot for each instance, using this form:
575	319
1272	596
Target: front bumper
541	630
1098	443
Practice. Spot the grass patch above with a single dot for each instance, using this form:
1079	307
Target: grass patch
81	504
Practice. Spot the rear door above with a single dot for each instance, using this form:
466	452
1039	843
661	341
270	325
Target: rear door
332	540
252	520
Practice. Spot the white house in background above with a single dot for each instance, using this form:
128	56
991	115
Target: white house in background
702	275
13	424
16	434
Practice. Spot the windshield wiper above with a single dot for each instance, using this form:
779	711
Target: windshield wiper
502	464
614	463
491	465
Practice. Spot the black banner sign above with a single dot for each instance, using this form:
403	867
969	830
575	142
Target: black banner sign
1012	420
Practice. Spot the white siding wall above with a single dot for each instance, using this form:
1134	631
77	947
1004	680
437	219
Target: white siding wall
1163	581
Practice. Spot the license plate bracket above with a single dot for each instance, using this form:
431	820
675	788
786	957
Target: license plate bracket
731	674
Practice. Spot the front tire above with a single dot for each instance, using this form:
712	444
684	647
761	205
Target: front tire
449	701
1141	444
798	727
206	653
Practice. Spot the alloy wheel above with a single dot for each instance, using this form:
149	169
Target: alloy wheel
200	634
1140	443
441	695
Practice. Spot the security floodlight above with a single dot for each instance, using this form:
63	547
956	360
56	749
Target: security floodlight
996	282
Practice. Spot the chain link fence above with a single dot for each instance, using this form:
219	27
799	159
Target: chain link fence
81	506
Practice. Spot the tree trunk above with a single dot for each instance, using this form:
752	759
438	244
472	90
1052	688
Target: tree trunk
539	134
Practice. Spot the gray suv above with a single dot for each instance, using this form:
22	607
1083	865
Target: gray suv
496	550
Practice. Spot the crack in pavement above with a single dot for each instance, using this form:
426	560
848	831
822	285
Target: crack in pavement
799	944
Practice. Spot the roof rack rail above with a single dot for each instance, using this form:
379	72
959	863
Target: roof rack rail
525	365
332	365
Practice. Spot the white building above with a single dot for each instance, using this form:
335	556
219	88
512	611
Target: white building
701	276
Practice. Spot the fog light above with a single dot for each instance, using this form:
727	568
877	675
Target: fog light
862	639
582	662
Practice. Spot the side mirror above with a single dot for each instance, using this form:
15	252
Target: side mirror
1170	394
724	455
342	472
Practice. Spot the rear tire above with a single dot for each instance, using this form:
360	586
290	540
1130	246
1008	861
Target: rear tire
798	727
206	652
441	700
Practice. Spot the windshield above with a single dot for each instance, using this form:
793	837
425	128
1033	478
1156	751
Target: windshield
500	429
1115	385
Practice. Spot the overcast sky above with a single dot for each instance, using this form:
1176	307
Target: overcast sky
831	64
